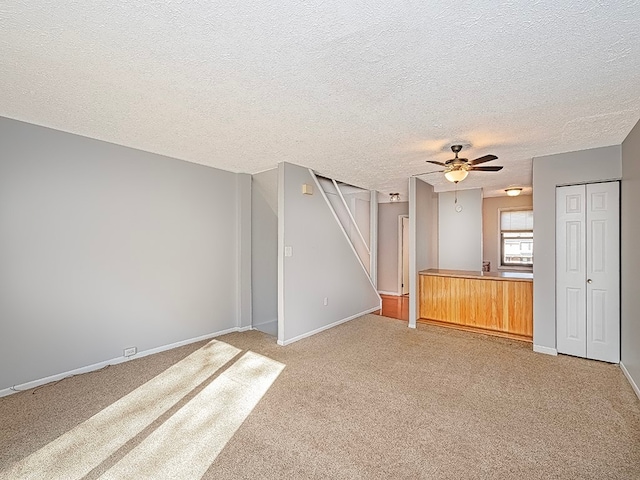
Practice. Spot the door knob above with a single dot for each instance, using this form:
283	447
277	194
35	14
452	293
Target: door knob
589	280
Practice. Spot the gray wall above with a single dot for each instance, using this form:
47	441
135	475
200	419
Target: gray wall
585	166
423	238
323	264
264	251
388	214
630	222
491	225
460	233
104	247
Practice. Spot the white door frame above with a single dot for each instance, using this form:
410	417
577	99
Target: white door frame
400	254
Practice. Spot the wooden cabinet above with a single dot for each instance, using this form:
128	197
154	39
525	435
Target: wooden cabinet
497	304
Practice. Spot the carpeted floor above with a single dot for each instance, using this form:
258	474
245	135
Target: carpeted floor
374	399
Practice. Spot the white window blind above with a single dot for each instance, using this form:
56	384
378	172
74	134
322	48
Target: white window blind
518	221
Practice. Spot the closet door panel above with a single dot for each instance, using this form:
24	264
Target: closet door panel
603	271
571	270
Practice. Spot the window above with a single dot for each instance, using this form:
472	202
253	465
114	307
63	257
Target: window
516	238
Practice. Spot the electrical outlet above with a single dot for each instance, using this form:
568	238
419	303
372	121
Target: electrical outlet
129	352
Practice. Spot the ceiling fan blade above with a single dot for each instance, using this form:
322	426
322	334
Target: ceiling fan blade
426	173
486	169
486	158
436	163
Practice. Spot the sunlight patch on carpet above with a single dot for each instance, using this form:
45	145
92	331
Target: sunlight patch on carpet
186	444
81	449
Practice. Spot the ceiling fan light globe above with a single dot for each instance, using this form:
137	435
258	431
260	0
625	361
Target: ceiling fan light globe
456	176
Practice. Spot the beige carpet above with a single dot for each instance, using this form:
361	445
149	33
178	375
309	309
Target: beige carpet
368	399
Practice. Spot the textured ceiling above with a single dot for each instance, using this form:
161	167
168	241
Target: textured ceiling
363	91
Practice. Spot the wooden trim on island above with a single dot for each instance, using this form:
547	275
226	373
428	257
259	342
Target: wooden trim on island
498	304
506	276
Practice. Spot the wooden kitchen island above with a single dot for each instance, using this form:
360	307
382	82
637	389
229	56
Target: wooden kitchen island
494	303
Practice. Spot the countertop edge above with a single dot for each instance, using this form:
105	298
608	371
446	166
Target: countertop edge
499	276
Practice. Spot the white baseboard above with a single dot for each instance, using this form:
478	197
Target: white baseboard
114	361
393	294
326	327
545	350
264	323
242	329
630	378
270	327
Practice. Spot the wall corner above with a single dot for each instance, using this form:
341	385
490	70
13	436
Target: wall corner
243	250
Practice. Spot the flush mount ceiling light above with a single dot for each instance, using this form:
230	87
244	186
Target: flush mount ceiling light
394	197
513	191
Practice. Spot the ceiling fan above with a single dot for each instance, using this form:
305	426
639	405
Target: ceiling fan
457	169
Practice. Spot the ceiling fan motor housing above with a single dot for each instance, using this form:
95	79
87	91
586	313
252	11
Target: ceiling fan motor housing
456	161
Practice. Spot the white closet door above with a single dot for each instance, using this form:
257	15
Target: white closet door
571	277
603	272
